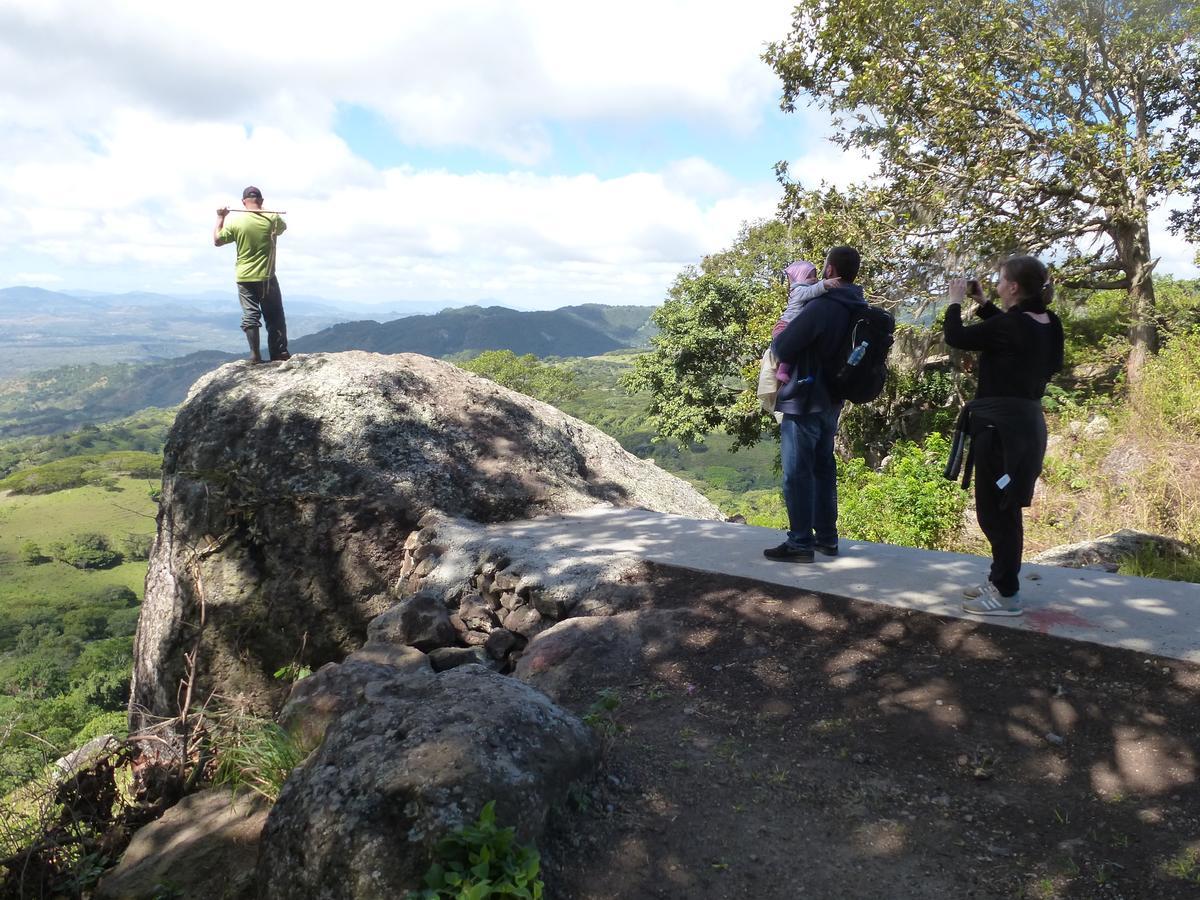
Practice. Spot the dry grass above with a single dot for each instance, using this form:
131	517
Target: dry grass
1132	471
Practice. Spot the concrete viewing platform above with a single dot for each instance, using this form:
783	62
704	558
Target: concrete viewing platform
1141	614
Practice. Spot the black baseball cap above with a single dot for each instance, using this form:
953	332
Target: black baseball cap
252	191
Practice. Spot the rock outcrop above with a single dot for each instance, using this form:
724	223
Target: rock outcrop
290	492
418	755
204	846
1109	551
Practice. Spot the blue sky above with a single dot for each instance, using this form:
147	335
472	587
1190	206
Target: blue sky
524	152
606	148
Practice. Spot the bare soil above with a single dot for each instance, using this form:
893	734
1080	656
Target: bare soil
812	746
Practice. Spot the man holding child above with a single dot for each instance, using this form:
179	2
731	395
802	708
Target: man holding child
812	344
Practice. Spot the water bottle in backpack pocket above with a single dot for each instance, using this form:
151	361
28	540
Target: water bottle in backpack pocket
868	340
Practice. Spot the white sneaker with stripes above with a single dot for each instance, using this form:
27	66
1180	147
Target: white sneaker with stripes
988	602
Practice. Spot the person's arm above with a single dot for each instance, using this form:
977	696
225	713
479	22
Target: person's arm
280	226
218	240
802	293
990	334
801	333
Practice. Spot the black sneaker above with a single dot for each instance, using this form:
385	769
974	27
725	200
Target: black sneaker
785	552
826	549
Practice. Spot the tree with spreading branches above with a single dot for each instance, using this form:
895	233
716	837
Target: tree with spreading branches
1048	126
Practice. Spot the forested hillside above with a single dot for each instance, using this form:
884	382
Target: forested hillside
571	331
62	398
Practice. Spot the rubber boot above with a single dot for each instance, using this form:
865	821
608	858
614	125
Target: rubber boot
252	340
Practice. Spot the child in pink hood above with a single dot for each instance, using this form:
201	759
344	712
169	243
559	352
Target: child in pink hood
802	286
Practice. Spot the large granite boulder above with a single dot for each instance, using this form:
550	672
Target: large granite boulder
203	848
1109	551
416	757
290	490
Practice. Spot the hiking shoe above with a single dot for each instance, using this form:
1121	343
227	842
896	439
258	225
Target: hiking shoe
972	592
785	552
989	603
826	549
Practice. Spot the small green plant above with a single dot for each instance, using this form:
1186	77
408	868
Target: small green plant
31	554
1184	865
600	714
1148	563
253	754
292	672
482	861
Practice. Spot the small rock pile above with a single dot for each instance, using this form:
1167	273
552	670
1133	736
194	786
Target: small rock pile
473	595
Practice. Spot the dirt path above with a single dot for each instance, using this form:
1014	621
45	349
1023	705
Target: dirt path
815	747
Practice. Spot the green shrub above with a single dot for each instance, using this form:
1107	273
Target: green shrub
87	623
482	861
87	551
31	554
1170	386
909	503
527	374
136	546
77	471
913	404
253	754
123	622
1148	563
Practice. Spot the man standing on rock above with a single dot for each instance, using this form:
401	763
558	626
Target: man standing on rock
258	289
813	343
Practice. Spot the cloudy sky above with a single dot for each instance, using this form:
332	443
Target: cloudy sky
534	154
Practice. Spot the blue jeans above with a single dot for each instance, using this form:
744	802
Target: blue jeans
810	477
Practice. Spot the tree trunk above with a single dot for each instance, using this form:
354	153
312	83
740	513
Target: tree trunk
1133	246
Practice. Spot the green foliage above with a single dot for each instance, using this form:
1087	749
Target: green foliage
31	554
999	125
909	503
253	754
914	403
1148	563
137	546
716	322
712	331
527	374
762	507
66	647
1170	388
292	672
601	715
77	471
86	551
483	861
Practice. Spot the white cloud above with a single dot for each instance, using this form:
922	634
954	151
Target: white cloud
125	127
484	73
127	124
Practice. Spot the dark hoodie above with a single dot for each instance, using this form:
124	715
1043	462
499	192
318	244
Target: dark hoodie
814	343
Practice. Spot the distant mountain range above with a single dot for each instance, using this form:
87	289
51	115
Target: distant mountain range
587	330
52	400
42	329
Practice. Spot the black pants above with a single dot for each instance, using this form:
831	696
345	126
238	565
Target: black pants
261	301
1000	521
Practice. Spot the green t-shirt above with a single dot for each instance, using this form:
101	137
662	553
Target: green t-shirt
255	234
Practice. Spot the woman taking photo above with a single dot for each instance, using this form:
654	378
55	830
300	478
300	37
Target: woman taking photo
1021	347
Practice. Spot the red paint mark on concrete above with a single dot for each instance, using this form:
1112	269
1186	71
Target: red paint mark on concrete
1044	619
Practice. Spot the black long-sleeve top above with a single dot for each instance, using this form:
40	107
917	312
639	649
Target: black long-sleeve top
1019	354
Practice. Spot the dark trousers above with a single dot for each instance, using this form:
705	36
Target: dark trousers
810	477
261	301
1000	520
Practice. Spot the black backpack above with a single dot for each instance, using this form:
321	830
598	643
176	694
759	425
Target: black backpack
862	374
